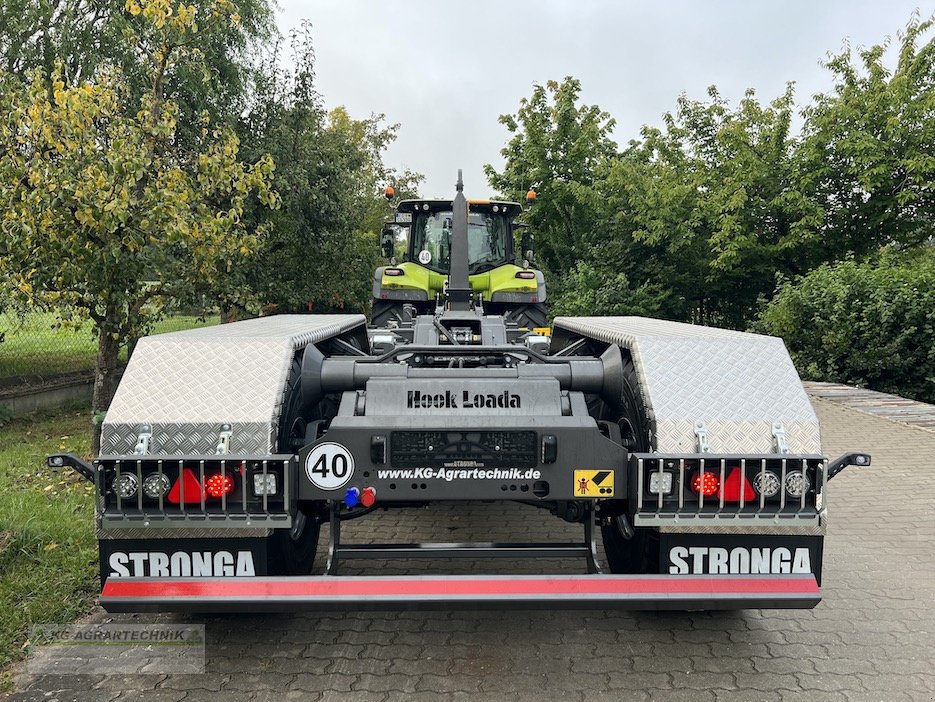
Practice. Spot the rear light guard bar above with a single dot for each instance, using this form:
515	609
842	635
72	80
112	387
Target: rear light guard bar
241	507
684	505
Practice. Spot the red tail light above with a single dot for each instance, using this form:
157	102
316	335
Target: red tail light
705	483
187	484
526	275
393	271
735	484
219	484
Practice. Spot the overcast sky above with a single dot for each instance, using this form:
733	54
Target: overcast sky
445	70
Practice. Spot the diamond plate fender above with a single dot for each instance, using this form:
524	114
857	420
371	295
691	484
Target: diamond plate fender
185	385
738	384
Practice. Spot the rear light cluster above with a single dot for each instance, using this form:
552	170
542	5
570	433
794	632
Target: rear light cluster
753	480
186	488
185	484
765	483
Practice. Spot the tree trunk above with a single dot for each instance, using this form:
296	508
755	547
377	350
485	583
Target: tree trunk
105	383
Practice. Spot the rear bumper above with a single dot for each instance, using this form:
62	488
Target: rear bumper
251	594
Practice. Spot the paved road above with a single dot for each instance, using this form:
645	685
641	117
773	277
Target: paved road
872	638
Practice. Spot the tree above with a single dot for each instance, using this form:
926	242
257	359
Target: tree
559	147
690	221
715	198
866	156
102	213
322	243
74	39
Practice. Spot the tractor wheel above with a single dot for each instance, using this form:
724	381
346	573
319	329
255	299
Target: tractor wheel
631	550
385	311
532	316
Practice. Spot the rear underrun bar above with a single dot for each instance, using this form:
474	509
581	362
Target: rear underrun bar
692	592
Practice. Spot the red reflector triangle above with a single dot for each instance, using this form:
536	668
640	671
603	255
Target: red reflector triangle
736	482
192	488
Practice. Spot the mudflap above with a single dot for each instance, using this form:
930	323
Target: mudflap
232	575
718	554
183	558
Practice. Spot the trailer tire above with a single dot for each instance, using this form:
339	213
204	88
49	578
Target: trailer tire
630	550
292	551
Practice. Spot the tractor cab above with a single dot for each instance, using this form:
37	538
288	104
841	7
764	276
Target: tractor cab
420	235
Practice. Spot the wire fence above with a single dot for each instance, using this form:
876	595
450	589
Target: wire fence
37	347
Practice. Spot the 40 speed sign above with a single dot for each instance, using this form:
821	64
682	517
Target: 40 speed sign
329	466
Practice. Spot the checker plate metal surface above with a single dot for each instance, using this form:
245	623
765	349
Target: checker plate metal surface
185	385
737	383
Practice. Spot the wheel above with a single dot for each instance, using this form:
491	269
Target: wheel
532	316
385	311
292	551
630	550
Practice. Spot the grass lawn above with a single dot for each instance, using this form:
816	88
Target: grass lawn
33	346
48	552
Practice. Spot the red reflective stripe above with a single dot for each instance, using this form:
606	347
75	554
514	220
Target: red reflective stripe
347	587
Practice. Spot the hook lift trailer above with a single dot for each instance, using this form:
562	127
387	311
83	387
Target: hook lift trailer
694	450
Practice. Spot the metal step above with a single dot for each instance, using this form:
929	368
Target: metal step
339	551
464	550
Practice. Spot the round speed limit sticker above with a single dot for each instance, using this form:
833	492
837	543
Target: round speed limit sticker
329	466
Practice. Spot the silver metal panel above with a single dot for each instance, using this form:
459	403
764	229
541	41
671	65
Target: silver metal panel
784	530
728	522
737	383
219	522
181	533
187	384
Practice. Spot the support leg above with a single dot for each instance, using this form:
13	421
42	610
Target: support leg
334	539
594	565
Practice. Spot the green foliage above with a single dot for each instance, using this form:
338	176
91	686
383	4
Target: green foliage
867	154
866	323
558	147
587	288
321	247
715	199
101	212
695	219
76	39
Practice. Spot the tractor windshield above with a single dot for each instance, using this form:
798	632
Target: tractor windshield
487	240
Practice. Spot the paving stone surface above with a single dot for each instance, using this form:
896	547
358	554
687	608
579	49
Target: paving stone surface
872	637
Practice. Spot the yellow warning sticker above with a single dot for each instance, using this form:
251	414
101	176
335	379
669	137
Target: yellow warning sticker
542	331
594	483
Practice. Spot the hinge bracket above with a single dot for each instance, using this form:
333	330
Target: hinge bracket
142	440
779	435
224	440
701	434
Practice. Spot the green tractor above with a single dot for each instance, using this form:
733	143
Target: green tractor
499	275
